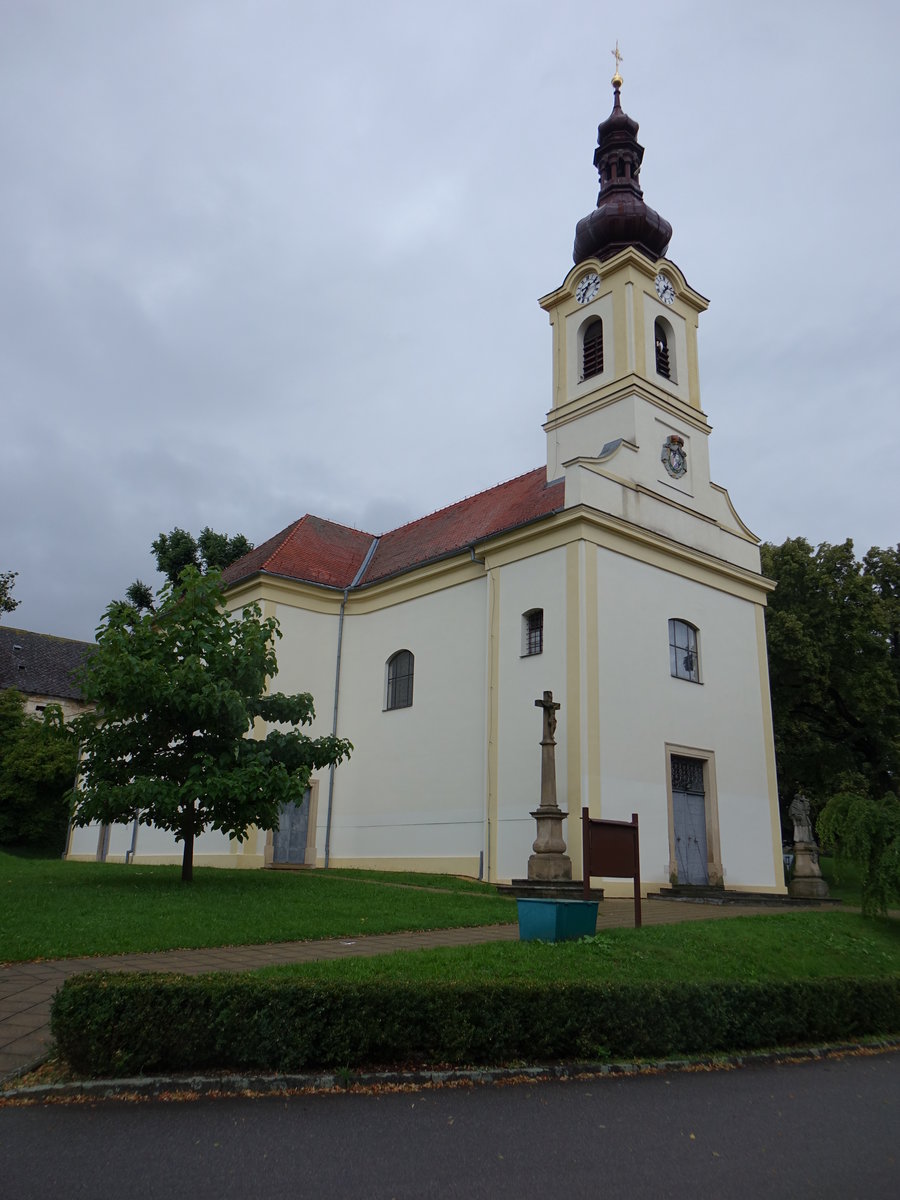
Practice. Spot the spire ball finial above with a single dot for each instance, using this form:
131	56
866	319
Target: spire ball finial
617	78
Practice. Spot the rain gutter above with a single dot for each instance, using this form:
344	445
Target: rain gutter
337	691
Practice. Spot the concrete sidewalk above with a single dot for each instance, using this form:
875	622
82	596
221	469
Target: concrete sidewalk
27	989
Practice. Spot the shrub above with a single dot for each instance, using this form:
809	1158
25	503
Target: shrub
117	1025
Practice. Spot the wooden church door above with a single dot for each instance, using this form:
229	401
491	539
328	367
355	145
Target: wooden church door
689	813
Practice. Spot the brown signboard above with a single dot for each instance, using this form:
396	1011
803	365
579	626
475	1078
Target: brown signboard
611	849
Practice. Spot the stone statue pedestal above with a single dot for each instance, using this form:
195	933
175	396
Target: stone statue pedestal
806	879
549	861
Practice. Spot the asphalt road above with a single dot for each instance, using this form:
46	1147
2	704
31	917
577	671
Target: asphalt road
815	1129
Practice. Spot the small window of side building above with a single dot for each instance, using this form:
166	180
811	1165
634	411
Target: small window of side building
592	350
533	632
684	661
399	693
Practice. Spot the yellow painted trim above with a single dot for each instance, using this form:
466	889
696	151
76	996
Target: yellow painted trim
633	541
410	585
493	718
634	266
420	581
574	659
294	593
466	866
769	748
226	861
750	535
626	387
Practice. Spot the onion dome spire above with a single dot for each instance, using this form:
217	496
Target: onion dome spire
621	217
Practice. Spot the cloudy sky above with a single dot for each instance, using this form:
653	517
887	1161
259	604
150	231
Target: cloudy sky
267	257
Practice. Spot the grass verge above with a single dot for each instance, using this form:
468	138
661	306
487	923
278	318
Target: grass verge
55	909
800	945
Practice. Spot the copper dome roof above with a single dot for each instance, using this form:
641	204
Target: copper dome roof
621	217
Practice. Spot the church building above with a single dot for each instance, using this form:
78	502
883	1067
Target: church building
617	575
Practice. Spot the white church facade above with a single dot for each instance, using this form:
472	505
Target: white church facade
618	576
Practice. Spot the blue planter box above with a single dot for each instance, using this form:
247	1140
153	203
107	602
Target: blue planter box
556	920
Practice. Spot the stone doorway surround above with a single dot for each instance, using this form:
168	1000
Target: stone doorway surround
707	758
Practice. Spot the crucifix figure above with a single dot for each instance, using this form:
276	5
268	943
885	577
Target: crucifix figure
548	751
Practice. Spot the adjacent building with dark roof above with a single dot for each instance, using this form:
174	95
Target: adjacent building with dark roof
44	668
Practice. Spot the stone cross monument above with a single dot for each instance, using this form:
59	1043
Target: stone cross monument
549	861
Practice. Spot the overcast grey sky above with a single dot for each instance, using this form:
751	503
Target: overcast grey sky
267	257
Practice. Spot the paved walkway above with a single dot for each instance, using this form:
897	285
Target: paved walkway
27	989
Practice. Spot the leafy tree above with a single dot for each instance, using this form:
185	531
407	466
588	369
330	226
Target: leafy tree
210	551
178	549
7	582
177	692
37	766
867	831
832	627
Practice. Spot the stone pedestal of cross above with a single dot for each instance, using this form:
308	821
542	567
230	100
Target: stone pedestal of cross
549	861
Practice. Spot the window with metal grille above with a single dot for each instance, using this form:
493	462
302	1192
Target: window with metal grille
399	680
684	662
592	350
662	350
533	632
687	775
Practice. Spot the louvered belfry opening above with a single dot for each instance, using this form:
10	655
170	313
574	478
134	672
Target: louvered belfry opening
592	350
662	351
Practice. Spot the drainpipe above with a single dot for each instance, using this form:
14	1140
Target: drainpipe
129	854
337	691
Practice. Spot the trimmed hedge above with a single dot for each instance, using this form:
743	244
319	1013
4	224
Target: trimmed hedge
109	1024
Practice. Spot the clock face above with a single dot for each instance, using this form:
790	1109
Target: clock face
588	288
664	289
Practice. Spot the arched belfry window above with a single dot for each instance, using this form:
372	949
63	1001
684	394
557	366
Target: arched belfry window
684	660
592	349
663	364
399	692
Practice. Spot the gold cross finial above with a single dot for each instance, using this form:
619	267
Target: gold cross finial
617	78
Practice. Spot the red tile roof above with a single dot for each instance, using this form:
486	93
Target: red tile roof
319	551
311	549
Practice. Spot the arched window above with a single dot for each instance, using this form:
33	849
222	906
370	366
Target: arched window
684	661
663	366
533	632
399	680
592	350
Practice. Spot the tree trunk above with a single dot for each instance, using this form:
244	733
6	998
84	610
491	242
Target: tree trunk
187	859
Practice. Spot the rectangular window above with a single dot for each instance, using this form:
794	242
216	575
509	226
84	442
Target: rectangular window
533	632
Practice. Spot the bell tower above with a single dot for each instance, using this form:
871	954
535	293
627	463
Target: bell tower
626	384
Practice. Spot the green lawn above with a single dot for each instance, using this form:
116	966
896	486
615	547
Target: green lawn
805	945
52	909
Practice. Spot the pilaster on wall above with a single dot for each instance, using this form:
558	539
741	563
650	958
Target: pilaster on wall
582	691
493	719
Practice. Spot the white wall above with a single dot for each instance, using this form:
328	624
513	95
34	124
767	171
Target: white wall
643	708
414	787
536	582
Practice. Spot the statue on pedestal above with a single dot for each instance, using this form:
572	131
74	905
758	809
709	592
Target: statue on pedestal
549	861
806	878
